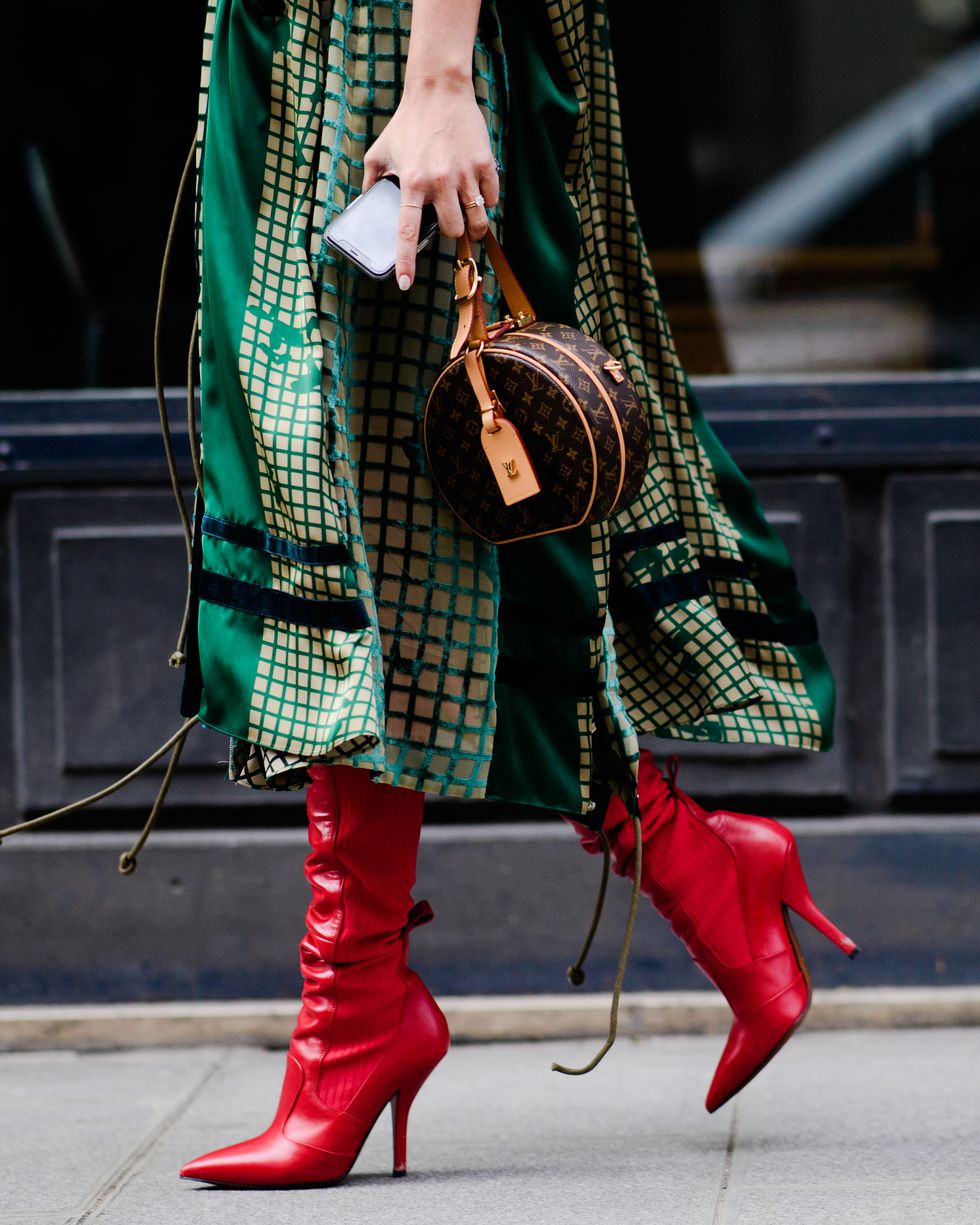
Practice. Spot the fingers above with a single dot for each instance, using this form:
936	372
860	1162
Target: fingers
489	183
445	197
474	211
486	195
407	239
375	165
414	193
477	194
460	208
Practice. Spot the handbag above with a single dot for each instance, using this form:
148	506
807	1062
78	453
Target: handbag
531	427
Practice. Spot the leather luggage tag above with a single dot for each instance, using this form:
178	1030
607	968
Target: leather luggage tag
510	462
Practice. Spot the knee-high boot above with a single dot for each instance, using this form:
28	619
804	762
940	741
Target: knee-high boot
724	881
368	1032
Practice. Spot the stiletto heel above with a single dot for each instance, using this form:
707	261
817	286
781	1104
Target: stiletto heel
401	1104
796	895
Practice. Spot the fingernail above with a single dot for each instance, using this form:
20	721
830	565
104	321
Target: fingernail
404	281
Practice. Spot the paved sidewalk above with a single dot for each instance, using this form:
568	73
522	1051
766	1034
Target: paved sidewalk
874	1126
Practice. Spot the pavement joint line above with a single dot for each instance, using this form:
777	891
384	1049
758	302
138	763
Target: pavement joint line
721	1204
477	1018
133	1162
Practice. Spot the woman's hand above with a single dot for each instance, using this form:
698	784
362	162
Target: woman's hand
437	142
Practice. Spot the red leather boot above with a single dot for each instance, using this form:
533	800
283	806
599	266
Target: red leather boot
368	1032
724	881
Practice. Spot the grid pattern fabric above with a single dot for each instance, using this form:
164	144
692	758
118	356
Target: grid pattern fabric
682	673
414	697
334	370
311	684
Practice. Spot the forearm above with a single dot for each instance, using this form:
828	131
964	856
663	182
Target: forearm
440	48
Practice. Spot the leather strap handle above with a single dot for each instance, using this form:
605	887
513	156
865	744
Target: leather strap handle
471	328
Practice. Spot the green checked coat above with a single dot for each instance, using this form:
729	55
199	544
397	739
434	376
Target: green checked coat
343	614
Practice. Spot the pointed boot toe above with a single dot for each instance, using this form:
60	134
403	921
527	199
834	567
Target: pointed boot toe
216	1167
222	1166
270	1160
754	1039
199	1168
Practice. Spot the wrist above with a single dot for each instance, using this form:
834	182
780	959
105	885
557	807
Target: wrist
446	79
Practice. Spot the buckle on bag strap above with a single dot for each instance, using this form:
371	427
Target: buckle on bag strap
467	280
466	290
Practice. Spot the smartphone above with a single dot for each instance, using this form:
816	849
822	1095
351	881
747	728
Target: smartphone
365	230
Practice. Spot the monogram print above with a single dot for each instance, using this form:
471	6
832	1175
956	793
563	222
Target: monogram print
541	340
567	419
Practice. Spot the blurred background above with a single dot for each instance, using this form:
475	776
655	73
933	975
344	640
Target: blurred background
807	174
806	171
822	215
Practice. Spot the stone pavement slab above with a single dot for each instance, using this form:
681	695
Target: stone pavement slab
875	1126
72	1125
878	1127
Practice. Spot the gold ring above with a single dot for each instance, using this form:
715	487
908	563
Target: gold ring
474	202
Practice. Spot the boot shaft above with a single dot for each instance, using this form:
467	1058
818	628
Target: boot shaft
364	839
361	867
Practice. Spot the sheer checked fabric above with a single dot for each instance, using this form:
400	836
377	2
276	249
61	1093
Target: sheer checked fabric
343	613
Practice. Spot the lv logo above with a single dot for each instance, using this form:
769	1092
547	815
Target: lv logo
510	467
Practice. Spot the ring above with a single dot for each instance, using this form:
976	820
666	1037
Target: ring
474	202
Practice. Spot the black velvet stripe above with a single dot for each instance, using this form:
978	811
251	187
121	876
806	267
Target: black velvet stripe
660	533
773	579
255	538
630	602
658	593
280	605
722	567
765	577
563	682
796	632
550	618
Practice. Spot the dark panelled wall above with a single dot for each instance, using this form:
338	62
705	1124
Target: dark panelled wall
874	483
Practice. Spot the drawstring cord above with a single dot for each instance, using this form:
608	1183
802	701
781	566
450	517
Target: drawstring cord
576	974
175	744
157	365
127	861
179	657
191	408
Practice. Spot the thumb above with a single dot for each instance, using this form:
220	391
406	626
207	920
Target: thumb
375	165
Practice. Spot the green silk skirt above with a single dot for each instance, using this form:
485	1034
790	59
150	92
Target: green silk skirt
341	612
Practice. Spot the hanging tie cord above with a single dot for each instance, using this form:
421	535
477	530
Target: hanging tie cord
175	744
576	974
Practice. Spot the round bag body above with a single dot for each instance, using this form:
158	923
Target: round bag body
571	414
